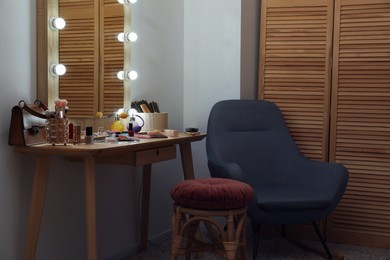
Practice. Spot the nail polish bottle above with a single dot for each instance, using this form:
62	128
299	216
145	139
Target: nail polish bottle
130	130
89	135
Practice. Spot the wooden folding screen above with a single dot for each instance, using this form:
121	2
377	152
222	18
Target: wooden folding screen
360	132
326	63
295	68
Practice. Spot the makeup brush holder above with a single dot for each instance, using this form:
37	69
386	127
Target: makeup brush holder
154	121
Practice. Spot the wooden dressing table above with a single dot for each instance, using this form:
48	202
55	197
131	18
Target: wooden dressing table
143	153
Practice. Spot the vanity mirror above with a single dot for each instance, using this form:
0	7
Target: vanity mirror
90	51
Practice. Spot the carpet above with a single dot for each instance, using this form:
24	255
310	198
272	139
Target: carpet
275	248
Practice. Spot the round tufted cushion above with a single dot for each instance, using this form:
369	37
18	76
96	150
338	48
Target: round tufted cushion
212	193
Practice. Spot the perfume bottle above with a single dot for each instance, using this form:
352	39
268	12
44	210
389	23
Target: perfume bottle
117	125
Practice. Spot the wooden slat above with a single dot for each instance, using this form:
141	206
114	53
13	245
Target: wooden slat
112	89
360	128
92	54
294	72
294	69
78	50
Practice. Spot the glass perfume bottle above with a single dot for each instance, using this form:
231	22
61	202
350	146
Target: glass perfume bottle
117	125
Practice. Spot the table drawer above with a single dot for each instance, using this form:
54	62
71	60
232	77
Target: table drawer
155	155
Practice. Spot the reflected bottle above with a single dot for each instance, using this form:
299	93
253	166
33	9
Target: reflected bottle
57	130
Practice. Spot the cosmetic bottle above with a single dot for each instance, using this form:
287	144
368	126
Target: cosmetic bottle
89	135
130	129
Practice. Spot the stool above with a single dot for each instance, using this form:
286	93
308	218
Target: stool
206	200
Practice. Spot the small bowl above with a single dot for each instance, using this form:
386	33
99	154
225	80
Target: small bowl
192	129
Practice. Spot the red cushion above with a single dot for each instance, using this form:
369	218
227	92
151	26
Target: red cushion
212	193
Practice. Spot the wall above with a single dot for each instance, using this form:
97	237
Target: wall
17	71
250	29
187	57
211	62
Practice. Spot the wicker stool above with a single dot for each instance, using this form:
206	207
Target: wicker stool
206	200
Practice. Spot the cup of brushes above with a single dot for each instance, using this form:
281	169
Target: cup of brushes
152	117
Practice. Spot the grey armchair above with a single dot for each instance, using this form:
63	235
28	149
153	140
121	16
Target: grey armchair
248	140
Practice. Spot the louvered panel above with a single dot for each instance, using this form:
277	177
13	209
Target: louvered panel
360	130
78	52
113	89
294	68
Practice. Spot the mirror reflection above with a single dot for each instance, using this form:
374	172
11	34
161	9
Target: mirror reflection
93	55
89	48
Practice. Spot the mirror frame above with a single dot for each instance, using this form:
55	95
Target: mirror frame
48	53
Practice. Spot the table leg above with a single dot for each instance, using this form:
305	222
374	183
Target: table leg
146	178
186	160
41	178
90	202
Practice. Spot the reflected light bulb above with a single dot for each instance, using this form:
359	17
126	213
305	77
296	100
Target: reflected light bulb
133	1
121	1
121	37
121	75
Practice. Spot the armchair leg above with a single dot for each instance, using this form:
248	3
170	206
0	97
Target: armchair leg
322	240
256	238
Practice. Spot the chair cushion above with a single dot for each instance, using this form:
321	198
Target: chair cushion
287	197
212	193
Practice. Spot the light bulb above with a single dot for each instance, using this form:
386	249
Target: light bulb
133	75
127	1
133	111
121	75
132	36
57	69
128	37
121	37
57	23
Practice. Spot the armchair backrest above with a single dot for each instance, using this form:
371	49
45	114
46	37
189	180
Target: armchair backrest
252	134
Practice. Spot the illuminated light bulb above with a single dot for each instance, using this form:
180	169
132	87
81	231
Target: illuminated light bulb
133	111
120	111
127	1
132	36
121	75
121	37
57	23
57	69
133	75
128	37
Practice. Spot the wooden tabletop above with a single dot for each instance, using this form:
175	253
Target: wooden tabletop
101	149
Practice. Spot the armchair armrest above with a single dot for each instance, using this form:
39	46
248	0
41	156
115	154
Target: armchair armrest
329	178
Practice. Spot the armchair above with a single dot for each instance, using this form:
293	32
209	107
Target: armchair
248	140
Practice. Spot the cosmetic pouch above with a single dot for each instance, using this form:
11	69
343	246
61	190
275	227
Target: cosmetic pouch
28	124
